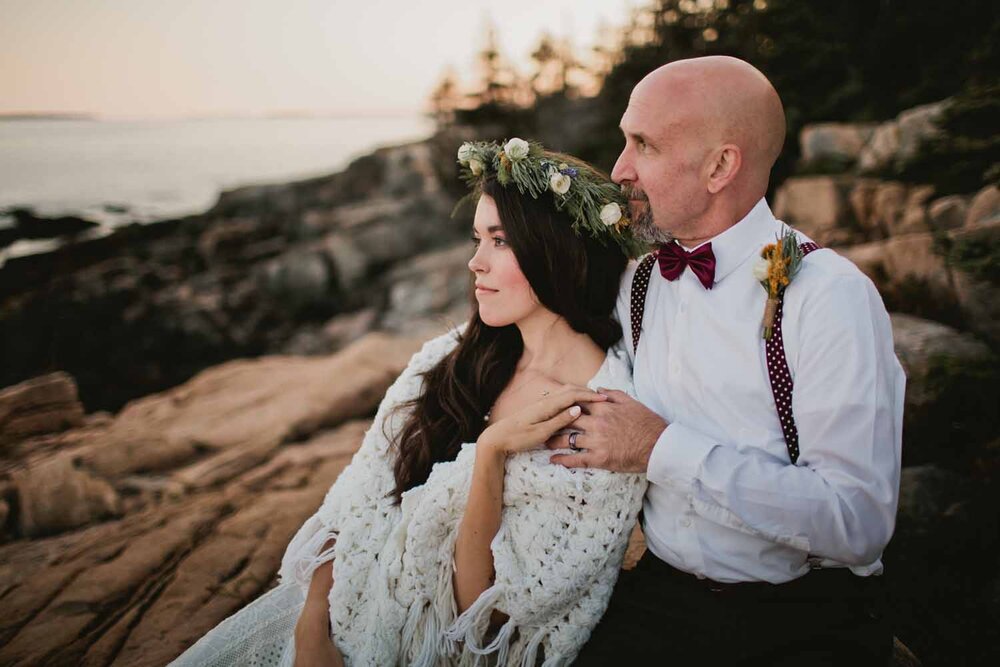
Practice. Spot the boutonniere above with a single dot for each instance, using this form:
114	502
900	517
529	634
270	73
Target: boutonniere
778	264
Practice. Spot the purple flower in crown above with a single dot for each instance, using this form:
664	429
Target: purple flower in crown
568	171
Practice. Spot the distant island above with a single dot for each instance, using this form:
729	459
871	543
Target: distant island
46	115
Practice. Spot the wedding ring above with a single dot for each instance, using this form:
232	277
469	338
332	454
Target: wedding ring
572	441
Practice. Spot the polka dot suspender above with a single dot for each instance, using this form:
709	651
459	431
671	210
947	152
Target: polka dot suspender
777	364
637	306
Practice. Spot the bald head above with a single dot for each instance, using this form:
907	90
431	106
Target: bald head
724	100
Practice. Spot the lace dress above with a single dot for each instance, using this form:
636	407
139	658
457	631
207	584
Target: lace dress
557	556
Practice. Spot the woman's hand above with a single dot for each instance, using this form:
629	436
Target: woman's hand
532	426
313	645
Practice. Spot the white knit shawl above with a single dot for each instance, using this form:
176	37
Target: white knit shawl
557	554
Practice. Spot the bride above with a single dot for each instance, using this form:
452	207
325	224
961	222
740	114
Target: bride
451	539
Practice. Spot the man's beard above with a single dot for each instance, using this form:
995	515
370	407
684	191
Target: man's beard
643	227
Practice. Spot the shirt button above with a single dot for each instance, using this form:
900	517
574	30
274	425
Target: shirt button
685	523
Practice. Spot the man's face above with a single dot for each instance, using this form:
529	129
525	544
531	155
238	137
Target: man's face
660	167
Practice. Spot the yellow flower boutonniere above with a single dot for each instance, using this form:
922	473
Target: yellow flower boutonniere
778	264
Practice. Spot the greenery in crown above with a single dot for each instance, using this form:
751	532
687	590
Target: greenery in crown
594	203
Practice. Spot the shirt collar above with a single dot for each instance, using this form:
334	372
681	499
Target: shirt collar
734	245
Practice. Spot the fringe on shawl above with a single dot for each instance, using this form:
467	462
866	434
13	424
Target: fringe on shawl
510	645
423	632
309	552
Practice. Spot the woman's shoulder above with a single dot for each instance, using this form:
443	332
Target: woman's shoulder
435	349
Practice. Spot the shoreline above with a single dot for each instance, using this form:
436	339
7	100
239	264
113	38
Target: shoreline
117	172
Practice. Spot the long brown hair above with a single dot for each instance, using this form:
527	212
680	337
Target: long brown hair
573	276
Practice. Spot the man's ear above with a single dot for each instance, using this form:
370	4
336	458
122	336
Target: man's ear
723	165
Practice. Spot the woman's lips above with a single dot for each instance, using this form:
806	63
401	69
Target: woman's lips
484	290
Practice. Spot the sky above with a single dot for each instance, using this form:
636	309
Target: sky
180	58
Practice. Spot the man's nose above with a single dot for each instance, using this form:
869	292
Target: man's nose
623	171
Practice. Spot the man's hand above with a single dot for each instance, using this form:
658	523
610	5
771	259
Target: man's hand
535	424
616	435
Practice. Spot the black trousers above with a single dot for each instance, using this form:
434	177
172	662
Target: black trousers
661	616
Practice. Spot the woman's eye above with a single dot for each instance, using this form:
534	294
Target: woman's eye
499	242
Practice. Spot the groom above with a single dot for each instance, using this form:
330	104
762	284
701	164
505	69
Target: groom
770	500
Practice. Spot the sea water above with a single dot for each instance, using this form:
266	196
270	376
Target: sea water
116	172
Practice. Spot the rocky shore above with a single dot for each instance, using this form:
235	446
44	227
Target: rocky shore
179	396
267	269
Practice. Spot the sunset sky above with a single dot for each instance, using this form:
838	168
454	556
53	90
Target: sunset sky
169	58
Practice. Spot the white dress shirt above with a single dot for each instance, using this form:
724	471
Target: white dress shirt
724	501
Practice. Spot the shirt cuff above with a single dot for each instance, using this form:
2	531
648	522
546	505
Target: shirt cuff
677	456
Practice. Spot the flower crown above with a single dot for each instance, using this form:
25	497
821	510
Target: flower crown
594	203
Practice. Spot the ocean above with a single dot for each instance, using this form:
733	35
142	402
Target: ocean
115	172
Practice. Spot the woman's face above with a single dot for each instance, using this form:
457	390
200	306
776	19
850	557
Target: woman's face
502	291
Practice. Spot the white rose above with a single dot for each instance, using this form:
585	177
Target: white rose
476	166
516	149
611	214
465	152
760	269
560	183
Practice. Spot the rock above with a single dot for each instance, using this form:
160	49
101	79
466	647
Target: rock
815	205
28	225
94	589
44	404
925	494
947	213
878	154
911	275
54	496
431	285
974	256
212	428
4	514
337	333
870	259
300	279
238	240
895	261
915	210
894	142
139	590
889	208
951	392
636	548
903	656
862	202
350	264
916	125
345	329
149	306
834	143
984	209
922	345
954	281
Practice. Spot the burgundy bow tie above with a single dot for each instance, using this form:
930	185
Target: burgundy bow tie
673	259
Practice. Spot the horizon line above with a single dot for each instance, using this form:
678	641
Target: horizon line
289	114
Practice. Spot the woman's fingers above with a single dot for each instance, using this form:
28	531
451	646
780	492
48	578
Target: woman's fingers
545	429
551	406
